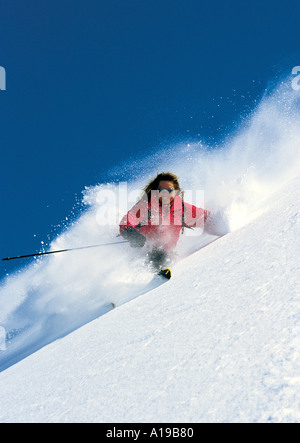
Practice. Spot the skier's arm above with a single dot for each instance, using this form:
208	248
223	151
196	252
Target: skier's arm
194	217
137	214
130	223
213	223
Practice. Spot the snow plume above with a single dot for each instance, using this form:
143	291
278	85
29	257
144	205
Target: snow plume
239	174
238	179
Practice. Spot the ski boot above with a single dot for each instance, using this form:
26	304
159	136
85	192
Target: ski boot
166	273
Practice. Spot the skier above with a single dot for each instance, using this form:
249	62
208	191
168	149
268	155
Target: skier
158	218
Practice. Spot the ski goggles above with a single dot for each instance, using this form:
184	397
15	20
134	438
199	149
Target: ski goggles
169	190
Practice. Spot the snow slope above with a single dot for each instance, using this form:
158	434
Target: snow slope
57	294
218	343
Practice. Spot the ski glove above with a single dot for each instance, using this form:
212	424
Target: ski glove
135	239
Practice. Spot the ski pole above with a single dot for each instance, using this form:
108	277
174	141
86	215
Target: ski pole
63	250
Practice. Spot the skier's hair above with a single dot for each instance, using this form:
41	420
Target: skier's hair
163	176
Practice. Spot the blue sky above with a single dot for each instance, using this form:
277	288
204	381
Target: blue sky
92	83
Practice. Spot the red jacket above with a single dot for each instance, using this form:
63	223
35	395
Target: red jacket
160	224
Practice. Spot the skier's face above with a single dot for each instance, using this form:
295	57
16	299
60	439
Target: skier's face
167	191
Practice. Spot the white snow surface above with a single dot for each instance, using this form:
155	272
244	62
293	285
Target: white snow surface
219	342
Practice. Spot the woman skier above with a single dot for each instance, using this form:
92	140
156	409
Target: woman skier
158	219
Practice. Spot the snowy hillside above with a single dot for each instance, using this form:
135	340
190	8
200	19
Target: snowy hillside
218	343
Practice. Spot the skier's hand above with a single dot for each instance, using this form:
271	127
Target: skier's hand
217	223
135	239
